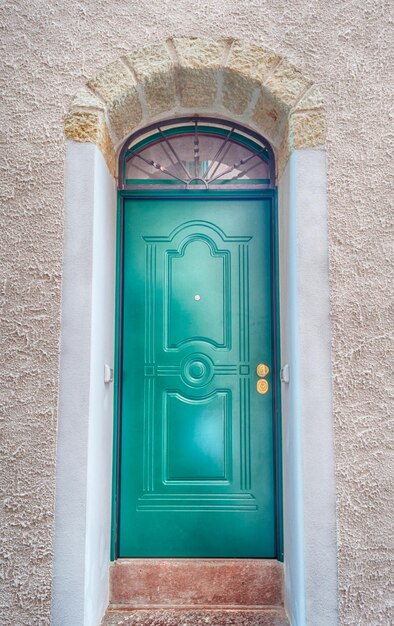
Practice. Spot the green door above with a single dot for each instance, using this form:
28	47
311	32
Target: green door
197	436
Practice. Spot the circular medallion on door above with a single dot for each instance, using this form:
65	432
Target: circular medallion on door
197	370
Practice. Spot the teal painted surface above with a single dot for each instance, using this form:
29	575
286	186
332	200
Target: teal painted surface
277	382
197	466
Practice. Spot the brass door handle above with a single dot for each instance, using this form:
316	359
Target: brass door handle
262	370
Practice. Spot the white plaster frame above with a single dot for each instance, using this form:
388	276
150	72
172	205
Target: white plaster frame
84	461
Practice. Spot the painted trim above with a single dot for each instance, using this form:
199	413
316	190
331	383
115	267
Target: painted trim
292	467
117	369
84	438
190	130
197	193
315	389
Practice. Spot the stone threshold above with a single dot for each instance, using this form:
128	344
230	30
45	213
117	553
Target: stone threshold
197	617
207	607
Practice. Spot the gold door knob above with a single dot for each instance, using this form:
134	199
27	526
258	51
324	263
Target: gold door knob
262	370
262	386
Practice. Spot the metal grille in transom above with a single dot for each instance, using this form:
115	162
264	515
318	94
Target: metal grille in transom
196	153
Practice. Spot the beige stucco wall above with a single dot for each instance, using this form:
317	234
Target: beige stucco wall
48	51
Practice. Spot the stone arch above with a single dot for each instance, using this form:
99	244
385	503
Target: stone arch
227	77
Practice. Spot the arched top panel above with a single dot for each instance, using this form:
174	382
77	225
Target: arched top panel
228	78
196	152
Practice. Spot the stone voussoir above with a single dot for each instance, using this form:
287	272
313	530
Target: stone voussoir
197	70
125	114
312	99
287	83
307	129
197	53
85	99
270	116
83	126
237	91
251	61
90	126
283	152
114	84
154	71
197	88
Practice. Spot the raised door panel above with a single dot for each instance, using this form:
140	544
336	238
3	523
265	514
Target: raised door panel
196	438
197	299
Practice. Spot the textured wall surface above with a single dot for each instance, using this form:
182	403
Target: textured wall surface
48	51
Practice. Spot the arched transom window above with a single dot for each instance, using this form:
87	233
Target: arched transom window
196	153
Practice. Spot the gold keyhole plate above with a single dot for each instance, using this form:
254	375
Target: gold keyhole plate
262	386
262	370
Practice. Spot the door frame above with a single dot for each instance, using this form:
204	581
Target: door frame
191	194
82	526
